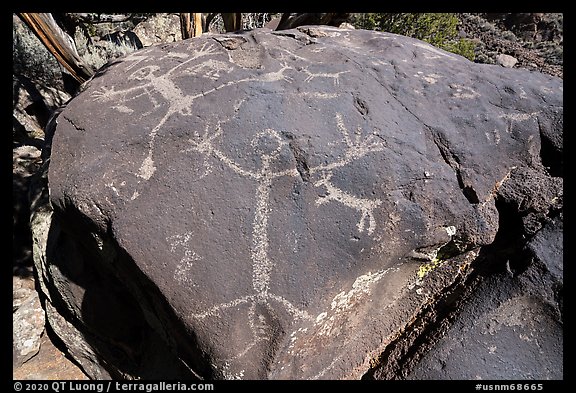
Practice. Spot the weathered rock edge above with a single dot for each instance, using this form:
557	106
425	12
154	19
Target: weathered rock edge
104	256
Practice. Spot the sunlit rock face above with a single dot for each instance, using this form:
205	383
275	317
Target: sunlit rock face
287	204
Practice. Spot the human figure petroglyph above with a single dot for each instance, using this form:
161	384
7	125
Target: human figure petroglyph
262	264
260	304
178	102
268	145
146	73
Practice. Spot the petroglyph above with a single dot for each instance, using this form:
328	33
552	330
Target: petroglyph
260	303
288	195
344	301
518	116
356	147
493	137
118	191
285	54
464	92
334	75
430	78
176	102
323	96
268	144
318	49
364	206
274	76
187	261
157	82
210	69
512	118
231	376
123	108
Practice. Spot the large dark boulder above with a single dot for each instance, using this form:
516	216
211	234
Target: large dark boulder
292	204
512	326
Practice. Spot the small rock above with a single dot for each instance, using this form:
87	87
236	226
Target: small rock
19	296
49	364
160	28
506	60
347	26
28	325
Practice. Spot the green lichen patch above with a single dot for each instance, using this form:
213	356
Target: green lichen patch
447	251
426	268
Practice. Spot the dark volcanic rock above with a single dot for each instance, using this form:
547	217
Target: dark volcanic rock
280	204
512	328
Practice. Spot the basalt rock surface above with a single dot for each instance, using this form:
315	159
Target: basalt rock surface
291	204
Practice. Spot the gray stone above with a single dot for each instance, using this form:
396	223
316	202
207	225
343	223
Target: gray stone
158	29
32	104
511	327
280	204
27	329
37	85
506	60
534	195
86	296
22	288
49	364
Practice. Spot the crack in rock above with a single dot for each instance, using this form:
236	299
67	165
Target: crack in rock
77	127
361	106
300	156
453	162
230	43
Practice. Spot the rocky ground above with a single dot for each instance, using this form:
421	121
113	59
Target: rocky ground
37	353
531	41
535	41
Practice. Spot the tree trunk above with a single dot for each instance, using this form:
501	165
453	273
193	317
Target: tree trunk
58	43
197	24
191	25
232	21
185	25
